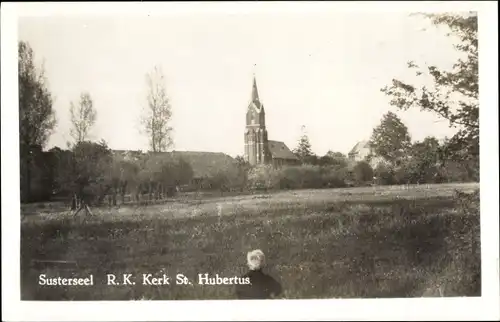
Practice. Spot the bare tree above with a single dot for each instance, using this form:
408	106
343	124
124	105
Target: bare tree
158	113
83	117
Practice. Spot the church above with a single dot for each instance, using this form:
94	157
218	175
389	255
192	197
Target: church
258	148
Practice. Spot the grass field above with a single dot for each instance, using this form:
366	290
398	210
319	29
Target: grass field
337	243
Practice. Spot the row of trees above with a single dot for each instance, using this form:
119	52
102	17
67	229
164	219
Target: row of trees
87	163
453	97
92	172
421	166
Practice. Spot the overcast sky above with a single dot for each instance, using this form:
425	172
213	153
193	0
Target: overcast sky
323	71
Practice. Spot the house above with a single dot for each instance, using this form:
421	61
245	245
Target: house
362	151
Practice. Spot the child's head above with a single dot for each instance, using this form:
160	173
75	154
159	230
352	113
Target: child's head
255	259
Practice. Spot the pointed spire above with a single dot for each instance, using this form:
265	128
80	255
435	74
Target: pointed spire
255	93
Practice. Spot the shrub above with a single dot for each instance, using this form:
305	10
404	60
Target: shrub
362	173
335	177
467	202
454	171
298	177
263	177
311	177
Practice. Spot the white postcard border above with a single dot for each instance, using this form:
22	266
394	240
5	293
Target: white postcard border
485	307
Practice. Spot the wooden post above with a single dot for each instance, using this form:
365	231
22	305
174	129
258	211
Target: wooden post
73	202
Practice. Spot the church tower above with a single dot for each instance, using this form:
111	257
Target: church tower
256	143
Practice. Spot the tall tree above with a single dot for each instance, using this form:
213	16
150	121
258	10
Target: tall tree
390	140
83	117
92	167
158	113
36	115
454	93
426	150
303	149
422	165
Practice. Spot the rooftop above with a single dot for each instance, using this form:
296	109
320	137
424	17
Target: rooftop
279	150
204	164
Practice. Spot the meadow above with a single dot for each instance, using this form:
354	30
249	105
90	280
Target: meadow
370	242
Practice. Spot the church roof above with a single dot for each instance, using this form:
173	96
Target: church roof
279	150
255	93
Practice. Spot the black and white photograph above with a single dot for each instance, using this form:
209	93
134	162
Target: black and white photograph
229	153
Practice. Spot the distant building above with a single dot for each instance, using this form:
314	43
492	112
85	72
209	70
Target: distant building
206	164
258	148
362	151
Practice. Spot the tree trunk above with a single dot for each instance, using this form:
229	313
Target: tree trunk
28	181
26	178
74	202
